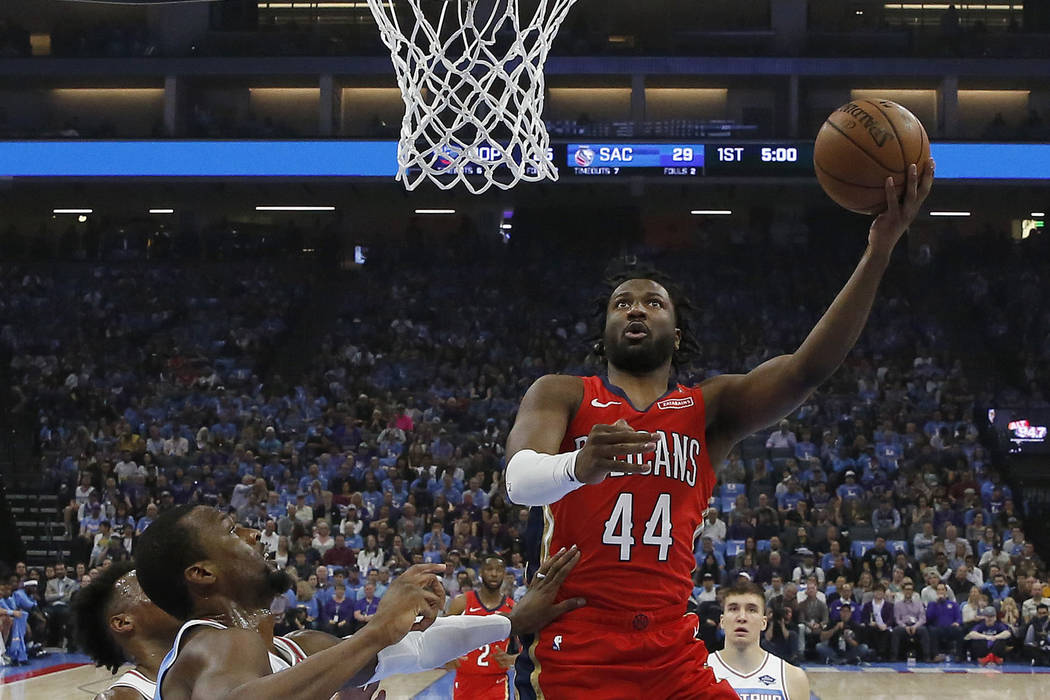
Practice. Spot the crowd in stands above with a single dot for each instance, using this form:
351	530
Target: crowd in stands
876	516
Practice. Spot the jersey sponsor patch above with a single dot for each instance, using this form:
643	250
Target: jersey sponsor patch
767	679
669	404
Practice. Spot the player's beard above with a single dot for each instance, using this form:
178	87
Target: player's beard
639	358
278	581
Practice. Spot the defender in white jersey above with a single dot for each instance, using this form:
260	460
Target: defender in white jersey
198	565
754	673
115	622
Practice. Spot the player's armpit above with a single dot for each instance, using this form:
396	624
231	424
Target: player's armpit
737	405
544	414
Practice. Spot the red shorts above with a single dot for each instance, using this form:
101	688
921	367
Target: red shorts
595	656
481	686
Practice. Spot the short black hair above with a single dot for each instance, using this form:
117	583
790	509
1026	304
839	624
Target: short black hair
747	588
630	268
162	554
90	608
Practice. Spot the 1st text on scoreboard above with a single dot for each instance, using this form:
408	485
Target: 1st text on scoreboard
690	159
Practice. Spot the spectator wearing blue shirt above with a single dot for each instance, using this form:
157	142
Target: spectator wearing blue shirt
365	608
14	608
371	494
788	500
449	490
305	597
850	489
269	443
339	612
997	589
804	449
437	533
944	620
988	639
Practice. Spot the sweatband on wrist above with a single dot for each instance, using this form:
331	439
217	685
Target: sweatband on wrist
447	638
537	479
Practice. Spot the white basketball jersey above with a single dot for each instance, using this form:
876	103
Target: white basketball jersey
276	662
764	683
135	680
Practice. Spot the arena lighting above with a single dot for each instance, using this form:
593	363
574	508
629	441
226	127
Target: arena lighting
506	226
293	208
949	213
711	212
944	6
72	211
435	211
1038	214
161	211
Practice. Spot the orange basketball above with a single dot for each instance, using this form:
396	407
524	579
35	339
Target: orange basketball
861	144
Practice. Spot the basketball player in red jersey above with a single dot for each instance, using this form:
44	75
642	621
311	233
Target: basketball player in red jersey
622	466
482	674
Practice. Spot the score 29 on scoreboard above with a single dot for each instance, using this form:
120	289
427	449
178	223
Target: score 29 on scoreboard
691	159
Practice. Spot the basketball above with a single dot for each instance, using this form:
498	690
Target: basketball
861	144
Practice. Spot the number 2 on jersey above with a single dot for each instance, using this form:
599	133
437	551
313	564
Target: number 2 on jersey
484	656
657	529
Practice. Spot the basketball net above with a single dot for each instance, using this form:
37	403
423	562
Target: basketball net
471	75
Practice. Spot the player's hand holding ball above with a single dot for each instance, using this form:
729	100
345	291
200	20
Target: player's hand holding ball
873	157
606	447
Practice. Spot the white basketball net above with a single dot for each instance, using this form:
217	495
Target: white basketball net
471	75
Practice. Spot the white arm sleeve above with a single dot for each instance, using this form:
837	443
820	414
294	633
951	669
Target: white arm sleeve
446	639
536	479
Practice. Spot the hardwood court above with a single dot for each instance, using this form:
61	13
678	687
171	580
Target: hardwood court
84	682
928	682
923	683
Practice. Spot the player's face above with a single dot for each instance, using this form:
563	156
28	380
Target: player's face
242	571
492	574
743	620
640	333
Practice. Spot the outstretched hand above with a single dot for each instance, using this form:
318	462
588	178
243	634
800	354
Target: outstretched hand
890	225
536	609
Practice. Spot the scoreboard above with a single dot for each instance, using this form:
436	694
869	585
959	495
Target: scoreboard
720	159
334	158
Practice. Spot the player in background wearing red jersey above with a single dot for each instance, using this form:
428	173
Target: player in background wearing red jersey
622	466
482	674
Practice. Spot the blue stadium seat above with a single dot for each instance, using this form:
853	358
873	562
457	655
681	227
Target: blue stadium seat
733	488
762	545
734	547
902	545
727	504
861	546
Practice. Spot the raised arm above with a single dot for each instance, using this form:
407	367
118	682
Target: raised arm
738	405
544	414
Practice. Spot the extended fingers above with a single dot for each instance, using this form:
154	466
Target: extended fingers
563	566
545	567
927	179
893	206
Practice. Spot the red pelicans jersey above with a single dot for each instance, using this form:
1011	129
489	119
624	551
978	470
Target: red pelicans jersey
635	531
480	660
